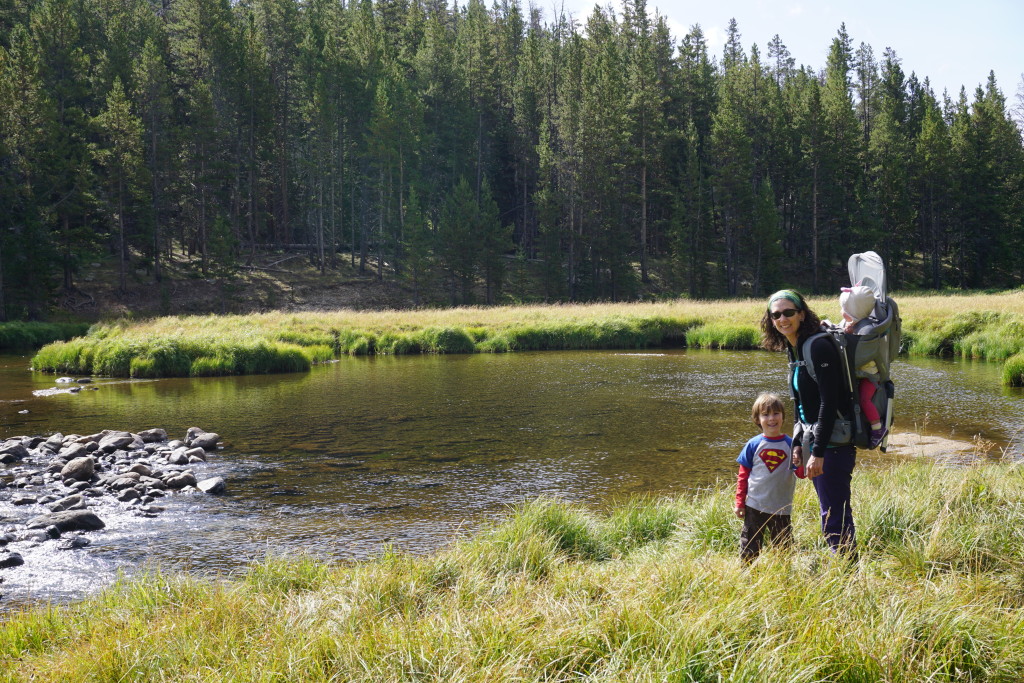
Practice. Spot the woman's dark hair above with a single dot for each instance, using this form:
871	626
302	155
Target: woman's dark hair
773	340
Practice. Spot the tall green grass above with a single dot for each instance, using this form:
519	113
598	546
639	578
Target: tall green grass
1013	371
27	335
989	326
651	591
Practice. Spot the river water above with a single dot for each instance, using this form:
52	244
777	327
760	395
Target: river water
413	451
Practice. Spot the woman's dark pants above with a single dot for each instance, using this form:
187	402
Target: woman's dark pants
833	487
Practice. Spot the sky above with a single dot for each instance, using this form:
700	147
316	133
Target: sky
951	43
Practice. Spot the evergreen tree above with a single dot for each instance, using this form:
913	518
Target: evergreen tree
121	158
156	110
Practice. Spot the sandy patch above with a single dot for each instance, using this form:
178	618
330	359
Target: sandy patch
930	446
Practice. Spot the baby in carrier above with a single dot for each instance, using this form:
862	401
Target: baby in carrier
858	303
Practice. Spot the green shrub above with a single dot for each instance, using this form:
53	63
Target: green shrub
446	340
1013	371
721	336
320	353
212	366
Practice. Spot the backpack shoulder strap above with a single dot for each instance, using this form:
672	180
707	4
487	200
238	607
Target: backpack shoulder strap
805	354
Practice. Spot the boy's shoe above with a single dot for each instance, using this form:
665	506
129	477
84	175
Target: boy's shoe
877	435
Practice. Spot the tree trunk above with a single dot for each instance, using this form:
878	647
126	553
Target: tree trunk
157	273
120	231
814	231
643	216
3	301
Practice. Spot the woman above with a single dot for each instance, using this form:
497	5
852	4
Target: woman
786	325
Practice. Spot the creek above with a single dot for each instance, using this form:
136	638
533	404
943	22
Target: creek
412	452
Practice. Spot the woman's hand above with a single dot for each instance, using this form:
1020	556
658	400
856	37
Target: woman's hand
815	466
739	510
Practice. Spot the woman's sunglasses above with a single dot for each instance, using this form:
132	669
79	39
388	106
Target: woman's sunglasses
789	313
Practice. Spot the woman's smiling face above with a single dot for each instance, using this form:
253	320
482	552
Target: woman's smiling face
788	326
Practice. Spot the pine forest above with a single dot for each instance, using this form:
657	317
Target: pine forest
444	147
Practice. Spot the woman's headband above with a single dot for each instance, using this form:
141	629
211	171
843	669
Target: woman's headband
786	294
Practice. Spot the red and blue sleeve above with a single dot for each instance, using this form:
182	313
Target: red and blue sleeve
742	481
746	461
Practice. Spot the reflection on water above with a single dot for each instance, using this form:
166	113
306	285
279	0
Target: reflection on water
409	451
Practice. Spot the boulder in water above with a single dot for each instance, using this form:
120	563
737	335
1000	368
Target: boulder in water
79	469
214	485
69	520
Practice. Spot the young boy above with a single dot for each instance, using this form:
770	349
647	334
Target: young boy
766	481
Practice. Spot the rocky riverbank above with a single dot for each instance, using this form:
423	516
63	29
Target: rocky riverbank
53	482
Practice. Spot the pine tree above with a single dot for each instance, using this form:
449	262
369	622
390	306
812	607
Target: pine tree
156	109
26	247
121	158
934	187
889	151
840	174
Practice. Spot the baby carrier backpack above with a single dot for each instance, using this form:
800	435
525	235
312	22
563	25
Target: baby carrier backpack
875	338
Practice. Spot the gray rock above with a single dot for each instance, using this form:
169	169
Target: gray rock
12	451
193	432
69	520
175	444
80	486
11	560
84	380
73	543
180	481
52	531
75	390
75	450
24	500
56	440
141	469
7	538
75	502
153	435
124	482
178	457
79	469
214	485
115	440
64	380
207	441
128	495
196	452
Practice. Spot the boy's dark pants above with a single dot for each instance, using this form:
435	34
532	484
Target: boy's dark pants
760	527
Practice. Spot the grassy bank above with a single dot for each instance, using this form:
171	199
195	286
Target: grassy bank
649	592
30	335
989	326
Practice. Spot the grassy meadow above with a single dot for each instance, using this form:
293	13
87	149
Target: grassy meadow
648	591
988	326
